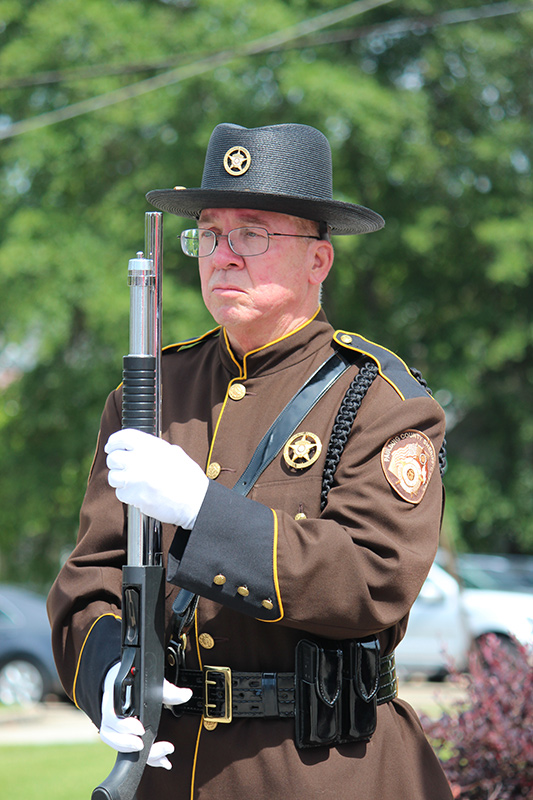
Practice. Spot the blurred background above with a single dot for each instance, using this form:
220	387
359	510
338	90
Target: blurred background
428	111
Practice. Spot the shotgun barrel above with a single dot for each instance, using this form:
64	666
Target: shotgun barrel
139	684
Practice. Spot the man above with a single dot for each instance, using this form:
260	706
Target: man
307	564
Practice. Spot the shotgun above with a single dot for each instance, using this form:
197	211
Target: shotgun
138	688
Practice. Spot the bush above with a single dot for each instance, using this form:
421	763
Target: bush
485	743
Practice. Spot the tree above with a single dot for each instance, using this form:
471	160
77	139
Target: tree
429	125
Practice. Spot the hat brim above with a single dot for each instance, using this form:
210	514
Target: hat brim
342	218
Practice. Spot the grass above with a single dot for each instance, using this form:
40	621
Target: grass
53	772
72	771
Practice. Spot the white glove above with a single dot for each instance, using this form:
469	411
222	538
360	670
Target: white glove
157	477
125	734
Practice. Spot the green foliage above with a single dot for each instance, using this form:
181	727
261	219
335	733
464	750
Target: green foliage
432	129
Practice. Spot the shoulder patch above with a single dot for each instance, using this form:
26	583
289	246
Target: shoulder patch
391	367
408	461
173	348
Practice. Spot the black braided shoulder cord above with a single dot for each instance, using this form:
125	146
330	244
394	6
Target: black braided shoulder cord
346	417
442	452
344	423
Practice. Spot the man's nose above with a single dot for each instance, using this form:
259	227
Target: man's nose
224	257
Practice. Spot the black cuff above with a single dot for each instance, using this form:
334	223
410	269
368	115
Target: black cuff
229	556
102	649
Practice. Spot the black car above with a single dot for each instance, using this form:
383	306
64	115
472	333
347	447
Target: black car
27	669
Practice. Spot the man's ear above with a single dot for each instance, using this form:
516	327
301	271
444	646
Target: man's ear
323	261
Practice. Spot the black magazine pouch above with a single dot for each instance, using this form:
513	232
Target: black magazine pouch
318	693
359	689
336	689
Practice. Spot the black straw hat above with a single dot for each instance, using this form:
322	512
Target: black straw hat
284	168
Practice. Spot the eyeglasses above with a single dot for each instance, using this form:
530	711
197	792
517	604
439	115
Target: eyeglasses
201	242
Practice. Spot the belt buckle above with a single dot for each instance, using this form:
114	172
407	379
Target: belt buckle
217	678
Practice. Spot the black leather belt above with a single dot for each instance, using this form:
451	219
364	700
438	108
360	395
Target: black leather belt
221	694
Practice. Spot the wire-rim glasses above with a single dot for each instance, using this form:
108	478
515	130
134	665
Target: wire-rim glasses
246	241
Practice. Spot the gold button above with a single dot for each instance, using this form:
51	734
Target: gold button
206	641
268	604
213	470
300	515
210	724
219	579
243	591
346	339
237	391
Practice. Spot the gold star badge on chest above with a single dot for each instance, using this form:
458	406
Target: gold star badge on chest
302	450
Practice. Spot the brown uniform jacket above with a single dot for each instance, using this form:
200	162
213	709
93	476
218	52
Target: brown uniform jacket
352	570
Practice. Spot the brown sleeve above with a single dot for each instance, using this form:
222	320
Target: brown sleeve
84	601
353	570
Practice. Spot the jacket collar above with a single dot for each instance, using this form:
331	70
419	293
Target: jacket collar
286	351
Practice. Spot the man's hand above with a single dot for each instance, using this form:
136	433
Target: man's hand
157	477
125	734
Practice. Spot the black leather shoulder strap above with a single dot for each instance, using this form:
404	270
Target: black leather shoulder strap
289	419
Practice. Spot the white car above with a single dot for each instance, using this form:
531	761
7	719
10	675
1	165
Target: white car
498	595
438	631
447	620
507	614
507	573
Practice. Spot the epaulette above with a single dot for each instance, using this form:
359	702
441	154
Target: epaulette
173	348
390	366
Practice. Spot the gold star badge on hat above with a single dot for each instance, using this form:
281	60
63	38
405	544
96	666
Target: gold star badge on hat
237	160
302	450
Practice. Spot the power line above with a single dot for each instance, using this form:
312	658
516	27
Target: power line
279	40
419	24
264	44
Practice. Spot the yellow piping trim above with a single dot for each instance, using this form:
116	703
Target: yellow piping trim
281	338
195	759
220	419
191	341
94	457
196	635
230	351
241	376
275	570
376	359
109	614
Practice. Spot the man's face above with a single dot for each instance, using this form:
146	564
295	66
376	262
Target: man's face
261	298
